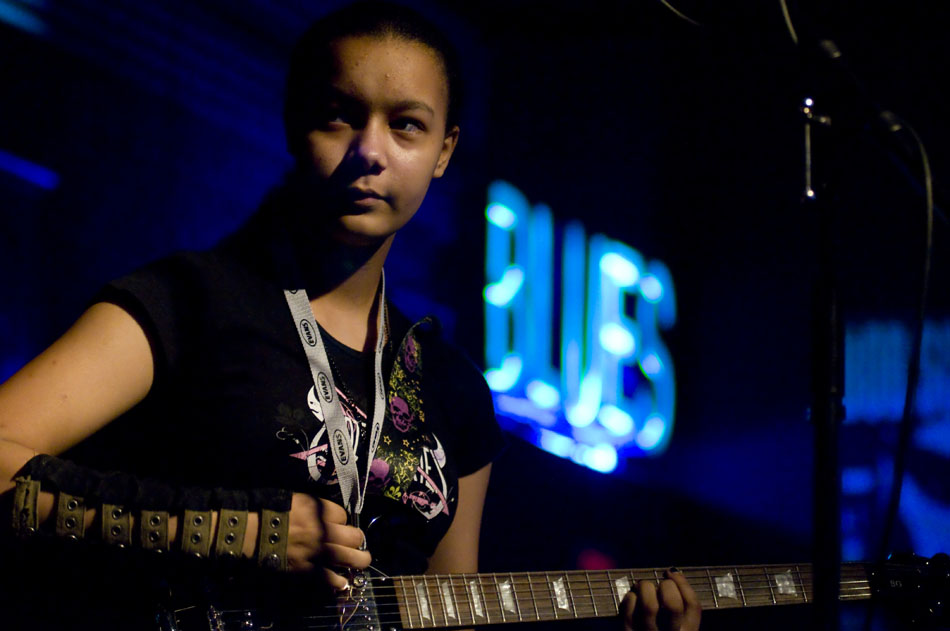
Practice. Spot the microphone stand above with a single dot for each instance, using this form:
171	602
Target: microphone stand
827	410
826	121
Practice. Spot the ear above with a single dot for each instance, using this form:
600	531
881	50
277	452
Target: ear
448	146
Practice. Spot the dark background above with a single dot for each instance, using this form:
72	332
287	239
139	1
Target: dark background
161	123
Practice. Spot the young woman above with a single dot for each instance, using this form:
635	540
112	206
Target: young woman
262	399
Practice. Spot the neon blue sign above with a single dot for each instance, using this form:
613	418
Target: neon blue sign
610	392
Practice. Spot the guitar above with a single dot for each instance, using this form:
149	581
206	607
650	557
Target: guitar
451	601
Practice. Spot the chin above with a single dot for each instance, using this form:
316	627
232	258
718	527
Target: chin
359	236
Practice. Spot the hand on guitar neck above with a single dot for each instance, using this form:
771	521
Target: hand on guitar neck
672	604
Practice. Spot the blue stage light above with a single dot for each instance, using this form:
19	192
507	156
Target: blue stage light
556	444
622	271
501	216
504	291
544	395
651	365
616	339
615	420
651	288
652	433
600	340
504	378
602	457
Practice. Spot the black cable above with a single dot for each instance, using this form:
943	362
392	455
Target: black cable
680	14
913	362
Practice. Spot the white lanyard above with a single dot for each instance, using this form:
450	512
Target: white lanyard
344	457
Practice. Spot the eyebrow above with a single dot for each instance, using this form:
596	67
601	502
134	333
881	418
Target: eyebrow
407	104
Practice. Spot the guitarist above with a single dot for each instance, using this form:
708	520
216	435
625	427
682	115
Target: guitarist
263	400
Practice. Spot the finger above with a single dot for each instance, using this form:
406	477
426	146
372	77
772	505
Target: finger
336	581
627	608
343	535
648	606
693	607
671	604
331	512
298	561
345	556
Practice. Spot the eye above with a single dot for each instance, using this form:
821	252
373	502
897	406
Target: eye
408	125
333	117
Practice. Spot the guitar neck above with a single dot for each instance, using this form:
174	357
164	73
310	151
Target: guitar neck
464	600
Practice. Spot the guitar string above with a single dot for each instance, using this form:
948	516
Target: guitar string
698	582
599	587
436	609
332	619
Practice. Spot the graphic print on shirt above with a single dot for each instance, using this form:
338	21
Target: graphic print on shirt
316	451
410	462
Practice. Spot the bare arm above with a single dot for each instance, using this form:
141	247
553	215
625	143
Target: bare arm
100	368
458	550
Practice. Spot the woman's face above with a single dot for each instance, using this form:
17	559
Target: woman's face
381	135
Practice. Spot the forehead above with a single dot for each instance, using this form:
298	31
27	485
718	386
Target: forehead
389	68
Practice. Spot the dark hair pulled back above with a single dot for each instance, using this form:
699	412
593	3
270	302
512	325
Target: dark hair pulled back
311	62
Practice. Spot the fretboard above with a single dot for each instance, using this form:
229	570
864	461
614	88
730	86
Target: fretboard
461	600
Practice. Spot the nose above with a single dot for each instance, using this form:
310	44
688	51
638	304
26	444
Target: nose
368	147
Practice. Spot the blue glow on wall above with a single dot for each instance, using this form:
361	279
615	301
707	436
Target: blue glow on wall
876	355
15	14
609	392
28	171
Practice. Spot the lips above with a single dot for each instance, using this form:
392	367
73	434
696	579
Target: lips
361	194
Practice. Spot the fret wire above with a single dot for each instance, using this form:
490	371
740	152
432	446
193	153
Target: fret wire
431	601
481	588
446	606
454	596
547	600
534	599
406	597
454	601
466	586
769	581
498	598
593	600
739	583
439	600
611	585
554	607
712	589
570	595
514	593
